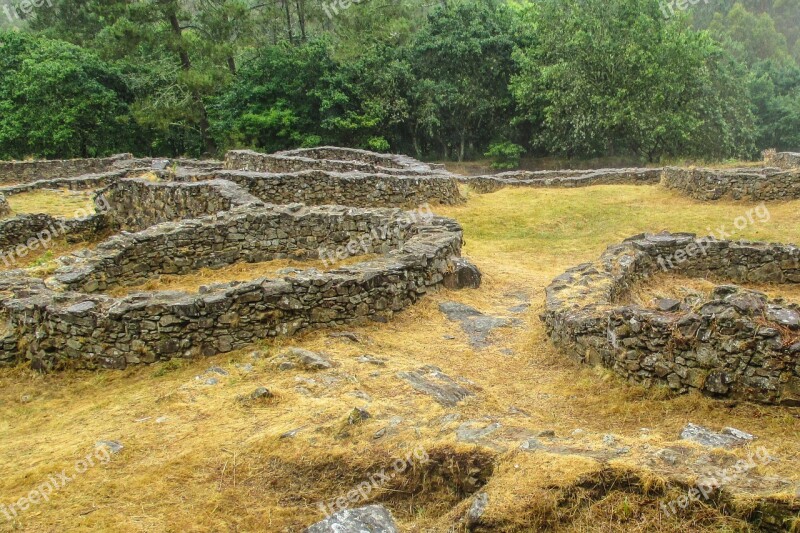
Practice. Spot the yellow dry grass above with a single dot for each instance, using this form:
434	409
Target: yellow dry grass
196	459
60	203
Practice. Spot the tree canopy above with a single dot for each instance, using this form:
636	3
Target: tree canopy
451	79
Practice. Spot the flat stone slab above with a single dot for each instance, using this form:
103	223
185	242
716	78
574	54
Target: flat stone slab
369	519
477	325
706	437
432	381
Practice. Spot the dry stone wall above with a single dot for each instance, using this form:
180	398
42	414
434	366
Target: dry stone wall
784	160
23	234
341	160
68	329
5	209
737	184
12	172
136	204
315	187
194	215
735	343
563	178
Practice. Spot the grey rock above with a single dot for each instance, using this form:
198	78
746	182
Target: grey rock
432	381
369	519
358	416
261	393
477	509
726	438
368	359
668	304
112	445
464	275
305	359
475	431
475	324
217	370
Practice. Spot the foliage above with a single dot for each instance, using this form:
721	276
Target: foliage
58	100
443	79
506	155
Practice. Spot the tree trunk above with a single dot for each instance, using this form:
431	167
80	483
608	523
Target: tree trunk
186	65
288	21
301	18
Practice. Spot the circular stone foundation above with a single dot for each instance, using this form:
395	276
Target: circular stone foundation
67	321
733	343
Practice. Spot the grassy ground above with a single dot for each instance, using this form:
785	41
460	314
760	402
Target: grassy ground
197	459
65	203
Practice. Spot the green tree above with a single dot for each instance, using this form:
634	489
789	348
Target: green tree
614	78
58	100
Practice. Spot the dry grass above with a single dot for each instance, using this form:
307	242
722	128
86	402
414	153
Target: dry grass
61	203
236	272
678	287
213	464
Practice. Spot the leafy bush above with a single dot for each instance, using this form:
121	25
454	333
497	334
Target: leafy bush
378	144
506	155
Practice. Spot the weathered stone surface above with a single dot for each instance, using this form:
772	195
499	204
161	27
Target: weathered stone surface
305	359
432	381
729	344
726	438
369	519
465	275
185	220
477	509
475	324
5	209
737	184
563	178
784	160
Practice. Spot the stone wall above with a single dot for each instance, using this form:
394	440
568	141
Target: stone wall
136	204
386	161
28	233
76	183
784	160
5	209
67	329
250	234
355	189
757	184
735	343
27	171
344	160
563	178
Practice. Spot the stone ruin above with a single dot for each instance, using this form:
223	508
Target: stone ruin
176	217
779	179
734	343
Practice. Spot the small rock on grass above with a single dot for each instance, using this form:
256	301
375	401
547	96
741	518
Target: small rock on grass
369	519
706	437
305	359
357	416
112	445
477	509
